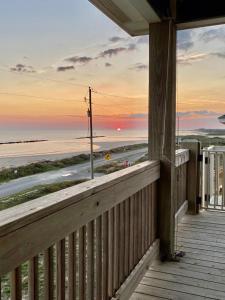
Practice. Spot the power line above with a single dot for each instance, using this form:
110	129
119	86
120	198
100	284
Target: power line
114	96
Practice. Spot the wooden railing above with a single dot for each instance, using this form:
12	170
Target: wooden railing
89	242
182	159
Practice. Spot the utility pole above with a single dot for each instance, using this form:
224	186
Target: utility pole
91	132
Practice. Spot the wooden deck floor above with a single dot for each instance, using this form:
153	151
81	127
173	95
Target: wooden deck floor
201	273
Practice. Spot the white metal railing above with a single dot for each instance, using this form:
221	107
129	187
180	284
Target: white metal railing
213	178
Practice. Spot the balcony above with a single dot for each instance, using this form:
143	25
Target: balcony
96	240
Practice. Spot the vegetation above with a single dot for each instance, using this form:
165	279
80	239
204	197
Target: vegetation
44	166
110	167
35	192
205	140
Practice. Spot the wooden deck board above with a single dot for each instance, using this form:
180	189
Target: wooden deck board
200	274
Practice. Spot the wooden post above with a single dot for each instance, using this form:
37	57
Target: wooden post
162	117
193	175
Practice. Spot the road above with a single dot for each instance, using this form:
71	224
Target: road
74	172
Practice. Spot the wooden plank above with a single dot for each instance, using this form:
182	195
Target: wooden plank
133	279
135	229
82	277
121	244
181	287
148	229
26	213
162	119
126	237
105	258
90	260
16	284
138	296
60	269
182	157
131	234
166	293
48	274
82	208
211	289
33	277
139	226
98	272
72	251
193	176
186	270
111	253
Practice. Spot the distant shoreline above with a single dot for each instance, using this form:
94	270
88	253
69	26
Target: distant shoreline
22	142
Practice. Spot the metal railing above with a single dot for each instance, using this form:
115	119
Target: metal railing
213	178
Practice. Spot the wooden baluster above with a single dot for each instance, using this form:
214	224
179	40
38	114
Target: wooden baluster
33	288
60	273
111	252
131	234
90	260
116	247
121	244
105	255
143	222
149	197
127	237
98	273
72	265
135	229
82	276
154	212
48	274
139	225
147	217
16	284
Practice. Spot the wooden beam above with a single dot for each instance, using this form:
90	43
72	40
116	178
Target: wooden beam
193	175
162	115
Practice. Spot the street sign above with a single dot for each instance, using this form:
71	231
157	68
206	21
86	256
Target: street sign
108	156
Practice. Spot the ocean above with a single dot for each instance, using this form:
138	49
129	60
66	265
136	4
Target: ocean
61	143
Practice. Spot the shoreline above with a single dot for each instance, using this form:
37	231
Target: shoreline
13	161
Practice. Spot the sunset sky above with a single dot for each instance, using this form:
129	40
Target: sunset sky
52	50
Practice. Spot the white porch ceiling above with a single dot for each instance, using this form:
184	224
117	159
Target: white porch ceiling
134	16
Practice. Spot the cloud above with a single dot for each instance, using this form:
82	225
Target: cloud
191	58
21	68
185	40
138	116
218	54
79	59
202	113
143	40
65	68
139	67
213	34
115	51
107	65
115	39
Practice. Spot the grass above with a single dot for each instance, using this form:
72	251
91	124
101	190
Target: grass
110	167
35	192
45	166
205	140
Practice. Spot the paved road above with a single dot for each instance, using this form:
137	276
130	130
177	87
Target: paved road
70	173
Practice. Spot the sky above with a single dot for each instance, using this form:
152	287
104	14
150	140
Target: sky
52	50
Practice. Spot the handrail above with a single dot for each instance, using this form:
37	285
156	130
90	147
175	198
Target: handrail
182	156
36	225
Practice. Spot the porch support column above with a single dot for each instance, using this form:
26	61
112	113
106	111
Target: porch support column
162	123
